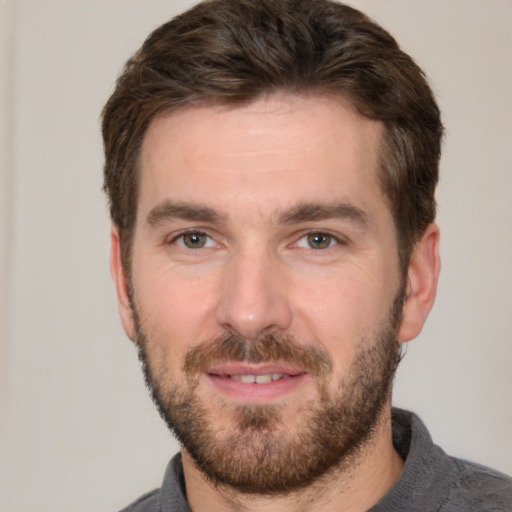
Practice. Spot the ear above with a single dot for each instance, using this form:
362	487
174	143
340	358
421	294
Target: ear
421	285
121	284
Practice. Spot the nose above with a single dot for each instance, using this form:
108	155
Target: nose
254	298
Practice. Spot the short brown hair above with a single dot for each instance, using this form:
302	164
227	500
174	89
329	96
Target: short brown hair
233	51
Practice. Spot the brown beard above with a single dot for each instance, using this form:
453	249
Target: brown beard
263	455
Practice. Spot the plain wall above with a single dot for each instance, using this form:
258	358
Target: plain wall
77	429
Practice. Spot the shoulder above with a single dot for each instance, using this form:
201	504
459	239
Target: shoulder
434	481
479	488
171	497
146	503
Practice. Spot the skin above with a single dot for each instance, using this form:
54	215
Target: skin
257	273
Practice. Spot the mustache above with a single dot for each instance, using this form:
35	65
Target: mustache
269	348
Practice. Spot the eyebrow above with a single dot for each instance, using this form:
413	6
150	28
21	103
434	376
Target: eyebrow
169	210
303	212
321	211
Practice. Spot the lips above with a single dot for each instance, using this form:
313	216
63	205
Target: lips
250	383
250	374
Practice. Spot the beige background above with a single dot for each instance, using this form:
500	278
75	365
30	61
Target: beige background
77	430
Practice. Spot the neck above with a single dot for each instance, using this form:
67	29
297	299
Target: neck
350	488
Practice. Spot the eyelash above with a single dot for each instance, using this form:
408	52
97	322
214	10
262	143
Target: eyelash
333	240
181	237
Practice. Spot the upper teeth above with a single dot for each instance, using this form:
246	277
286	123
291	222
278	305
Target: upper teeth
258	379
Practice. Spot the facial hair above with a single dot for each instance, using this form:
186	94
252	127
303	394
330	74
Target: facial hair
263	453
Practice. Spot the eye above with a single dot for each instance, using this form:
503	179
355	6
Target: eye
194	240
317	240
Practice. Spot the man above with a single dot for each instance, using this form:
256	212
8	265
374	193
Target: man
271	169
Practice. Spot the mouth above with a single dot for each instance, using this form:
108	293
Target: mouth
259	379
255	384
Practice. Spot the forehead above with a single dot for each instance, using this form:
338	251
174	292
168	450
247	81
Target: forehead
279	149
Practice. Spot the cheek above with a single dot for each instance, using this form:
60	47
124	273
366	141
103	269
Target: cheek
174	311
342	312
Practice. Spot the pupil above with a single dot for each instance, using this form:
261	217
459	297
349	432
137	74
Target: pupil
319	241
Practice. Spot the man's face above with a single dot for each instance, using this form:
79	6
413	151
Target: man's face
266	286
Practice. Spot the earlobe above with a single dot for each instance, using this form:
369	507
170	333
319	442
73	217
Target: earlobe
121	284
421	285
